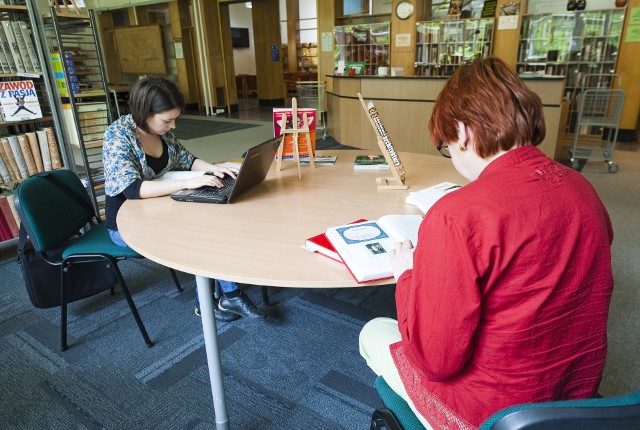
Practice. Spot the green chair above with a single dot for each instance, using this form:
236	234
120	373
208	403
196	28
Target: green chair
57	214
611	413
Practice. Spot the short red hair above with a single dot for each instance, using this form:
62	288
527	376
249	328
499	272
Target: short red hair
494	102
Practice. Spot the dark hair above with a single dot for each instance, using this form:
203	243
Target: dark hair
494	102
152	95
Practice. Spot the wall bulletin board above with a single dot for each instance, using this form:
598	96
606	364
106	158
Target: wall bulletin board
140	50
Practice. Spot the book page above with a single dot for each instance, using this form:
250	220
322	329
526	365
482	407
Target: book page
402	227
427	197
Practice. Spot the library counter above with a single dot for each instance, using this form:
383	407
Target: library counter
405	104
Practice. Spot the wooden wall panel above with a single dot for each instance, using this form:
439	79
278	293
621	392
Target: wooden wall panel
266	34
629	69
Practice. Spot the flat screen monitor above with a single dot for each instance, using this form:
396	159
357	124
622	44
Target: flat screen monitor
240	37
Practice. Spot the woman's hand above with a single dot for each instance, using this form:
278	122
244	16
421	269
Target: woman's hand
401	258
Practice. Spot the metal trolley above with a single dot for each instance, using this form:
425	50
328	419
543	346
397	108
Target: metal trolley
599	113
311	94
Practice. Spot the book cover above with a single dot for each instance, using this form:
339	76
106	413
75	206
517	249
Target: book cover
19	101
322	245
54	152
303	145
370	162
4	172
8	154
5	231
17	155
22	46
13	45
12	206
27	154
35	150
6	48
4	63
43	143
323	160
364	246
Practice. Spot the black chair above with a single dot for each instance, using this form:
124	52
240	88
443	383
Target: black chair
610	413
57	214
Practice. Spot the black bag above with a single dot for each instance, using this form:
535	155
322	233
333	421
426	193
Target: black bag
43	280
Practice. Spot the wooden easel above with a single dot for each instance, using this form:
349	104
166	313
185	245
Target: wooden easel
395	182
294	131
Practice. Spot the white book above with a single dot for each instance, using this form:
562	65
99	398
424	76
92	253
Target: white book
22	46
43	143
176	175
13	45
6	49
31	47
427	197
4	172
17	154
364	246
4	64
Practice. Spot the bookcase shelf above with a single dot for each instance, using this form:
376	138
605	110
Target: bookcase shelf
442	46
574	45
82	91
32	142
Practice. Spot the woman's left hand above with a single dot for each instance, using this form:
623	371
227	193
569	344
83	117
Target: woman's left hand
220	171
401	258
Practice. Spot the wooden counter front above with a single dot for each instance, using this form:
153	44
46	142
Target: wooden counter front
405	105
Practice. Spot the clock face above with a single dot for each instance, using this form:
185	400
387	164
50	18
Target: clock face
404	9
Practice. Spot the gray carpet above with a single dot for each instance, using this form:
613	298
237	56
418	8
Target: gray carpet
300	369
187	128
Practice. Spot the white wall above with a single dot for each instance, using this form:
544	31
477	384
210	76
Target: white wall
244	59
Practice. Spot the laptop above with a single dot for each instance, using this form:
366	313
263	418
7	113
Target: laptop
254	168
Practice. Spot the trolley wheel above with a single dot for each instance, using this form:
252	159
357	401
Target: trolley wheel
574	164
613	167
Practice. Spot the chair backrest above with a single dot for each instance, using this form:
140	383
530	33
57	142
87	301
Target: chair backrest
49	213
611	413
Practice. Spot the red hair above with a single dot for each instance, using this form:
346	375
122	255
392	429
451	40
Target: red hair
490	99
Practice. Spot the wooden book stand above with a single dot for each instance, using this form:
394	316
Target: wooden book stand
396	181
294	131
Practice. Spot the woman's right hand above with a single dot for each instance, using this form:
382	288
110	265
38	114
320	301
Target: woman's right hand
202	181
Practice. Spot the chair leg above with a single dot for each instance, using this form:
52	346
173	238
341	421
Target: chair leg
63	311
132	306
265	295
175	279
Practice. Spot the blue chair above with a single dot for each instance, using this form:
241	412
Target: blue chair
611	413
59	219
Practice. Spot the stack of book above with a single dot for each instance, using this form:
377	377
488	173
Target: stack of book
25	154
17	50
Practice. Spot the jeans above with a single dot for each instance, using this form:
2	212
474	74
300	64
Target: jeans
225	286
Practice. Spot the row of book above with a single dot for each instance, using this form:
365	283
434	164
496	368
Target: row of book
17	50
9	220
28	153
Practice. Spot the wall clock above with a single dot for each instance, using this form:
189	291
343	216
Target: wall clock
404	9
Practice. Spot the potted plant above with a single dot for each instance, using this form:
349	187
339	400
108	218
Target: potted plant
383	68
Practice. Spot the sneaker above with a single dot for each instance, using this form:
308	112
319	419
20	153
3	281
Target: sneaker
221	315
240	305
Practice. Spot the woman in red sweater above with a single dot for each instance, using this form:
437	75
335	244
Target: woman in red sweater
505	298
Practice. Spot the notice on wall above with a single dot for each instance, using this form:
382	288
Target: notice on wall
327	41
403	40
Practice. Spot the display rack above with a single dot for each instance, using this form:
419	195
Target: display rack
29	131
572	44
442	46
81	87
366	44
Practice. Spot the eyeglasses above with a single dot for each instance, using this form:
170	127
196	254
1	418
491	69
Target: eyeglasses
444	150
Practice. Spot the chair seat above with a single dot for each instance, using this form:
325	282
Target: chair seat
97	241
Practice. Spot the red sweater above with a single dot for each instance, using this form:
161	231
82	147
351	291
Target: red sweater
507	302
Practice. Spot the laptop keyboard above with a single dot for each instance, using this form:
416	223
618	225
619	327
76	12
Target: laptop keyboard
227	185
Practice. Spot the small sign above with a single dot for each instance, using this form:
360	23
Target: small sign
177	43
327	41
508	22
403	40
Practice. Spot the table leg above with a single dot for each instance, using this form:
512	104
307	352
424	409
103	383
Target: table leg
205	296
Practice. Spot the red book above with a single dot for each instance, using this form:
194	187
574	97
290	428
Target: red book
5	209
320	244
5	232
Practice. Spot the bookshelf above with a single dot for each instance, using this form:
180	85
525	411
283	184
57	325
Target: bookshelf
366	44
29	122
81	88
582	46
442	46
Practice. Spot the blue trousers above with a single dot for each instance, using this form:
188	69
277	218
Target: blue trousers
225	286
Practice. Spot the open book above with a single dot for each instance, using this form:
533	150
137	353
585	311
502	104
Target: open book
427	197
364	246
